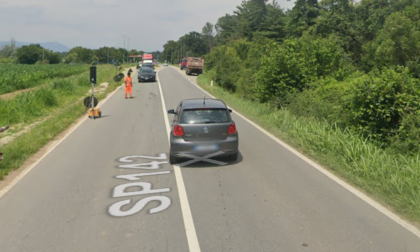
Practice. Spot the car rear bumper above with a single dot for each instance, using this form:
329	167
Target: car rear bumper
226	147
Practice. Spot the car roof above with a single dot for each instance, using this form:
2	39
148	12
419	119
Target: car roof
203	103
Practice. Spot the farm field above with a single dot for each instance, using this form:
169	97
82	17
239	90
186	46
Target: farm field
17	76
51	107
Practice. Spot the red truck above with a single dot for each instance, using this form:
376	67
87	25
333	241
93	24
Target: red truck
183	63
147	58
194	65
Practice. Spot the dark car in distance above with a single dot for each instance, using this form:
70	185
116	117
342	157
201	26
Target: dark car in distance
201	127
146	74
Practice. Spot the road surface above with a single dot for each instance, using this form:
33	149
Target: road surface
269	200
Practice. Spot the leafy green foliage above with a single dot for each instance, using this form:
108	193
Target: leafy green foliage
295	64
15	77
379	101
398	43
301	17
29	54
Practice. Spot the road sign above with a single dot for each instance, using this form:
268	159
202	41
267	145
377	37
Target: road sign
88	101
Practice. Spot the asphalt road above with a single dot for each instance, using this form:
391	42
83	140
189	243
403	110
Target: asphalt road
269	200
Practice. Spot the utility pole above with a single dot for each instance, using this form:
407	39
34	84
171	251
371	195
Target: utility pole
128	49
124	49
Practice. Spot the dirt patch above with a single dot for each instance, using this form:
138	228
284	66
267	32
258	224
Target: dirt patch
26	128
13	94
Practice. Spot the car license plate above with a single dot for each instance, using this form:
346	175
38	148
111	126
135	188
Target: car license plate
205	147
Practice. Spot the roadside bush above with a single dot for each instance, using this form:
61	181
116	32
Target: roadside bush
234	66
226	68
322	100
378	102
295	64
408	138
46	96
65	85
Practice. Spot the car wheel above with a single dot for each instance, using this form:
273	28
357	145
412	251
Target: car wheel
232	157
172	159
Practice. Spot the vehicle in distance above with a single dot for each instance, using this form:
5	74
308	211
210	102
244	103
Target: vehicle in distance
165	64
148	62
194	65
183	63
146	74
139	65
201	127
147	56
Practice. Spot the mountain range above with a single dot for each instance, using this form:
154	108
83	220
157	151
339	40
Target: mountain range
53	46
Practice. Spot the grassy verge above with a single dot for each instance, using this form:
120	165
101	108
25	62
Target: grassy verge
65	97
391	179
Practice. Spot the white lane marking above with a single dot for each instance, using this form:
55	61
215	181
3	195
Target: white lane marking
338	180
193	244
29	168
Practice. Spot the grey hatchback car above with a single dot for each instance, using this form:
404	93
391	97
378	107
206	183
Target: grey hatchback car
202	127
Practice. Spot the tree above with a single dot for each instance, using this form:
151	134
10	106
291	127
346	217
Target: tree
226	29
29	54
83	54
71	58
274	23
301	17
8	50
194	45
251	16
54	58
398	43
208	35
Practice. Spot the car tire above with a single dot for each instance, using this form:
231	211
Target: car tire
232	157
173	160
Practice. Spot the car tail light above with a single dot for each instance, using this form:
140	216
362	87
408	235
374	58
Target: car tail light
178	130
232	129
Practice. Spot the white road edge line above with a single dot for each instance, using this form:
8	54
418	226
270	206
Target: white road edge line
192	239
22	174
338	180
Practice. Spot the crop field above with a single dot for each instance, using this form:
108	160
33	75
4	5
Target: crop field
16	77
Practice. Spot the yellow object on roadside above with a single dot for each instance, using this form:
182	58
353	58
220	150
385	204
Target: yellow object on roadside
96	111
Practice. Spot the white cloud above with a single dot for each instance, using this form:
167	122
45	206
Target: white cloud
95	23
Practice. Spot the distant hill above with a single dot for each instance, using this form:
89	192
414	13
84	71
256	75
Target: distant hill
53	46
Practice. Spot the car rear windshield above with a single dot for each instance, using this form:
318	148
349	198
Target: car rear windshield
147	70
199	116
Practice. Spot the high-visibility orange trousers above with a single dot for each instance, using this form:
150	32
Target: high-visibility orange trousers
128	89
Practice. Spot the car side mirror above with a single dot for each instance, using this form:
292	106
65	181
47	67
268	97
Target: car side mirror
171	111
230	111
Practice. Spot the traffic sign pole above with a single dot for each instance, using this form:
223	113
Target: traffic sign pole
93	81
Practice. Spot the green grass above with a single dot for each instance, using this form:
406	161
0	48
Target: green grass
391	179
59	105
20	76
53	95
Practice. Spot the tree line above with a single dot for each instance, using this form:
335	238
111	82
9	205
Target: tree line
354	64
36	54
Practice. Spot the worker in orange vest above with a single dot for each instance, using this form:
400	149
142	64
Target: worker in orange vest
128	85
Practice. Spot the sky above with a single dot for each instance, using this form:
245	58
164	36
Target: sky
146	24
